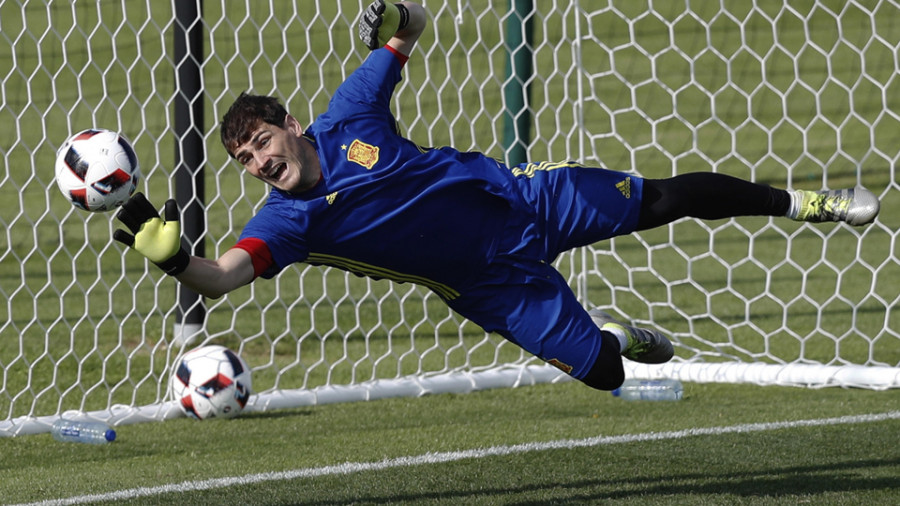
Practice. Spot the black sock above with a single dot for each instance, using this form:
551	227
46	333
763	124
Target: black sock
607	373
709	196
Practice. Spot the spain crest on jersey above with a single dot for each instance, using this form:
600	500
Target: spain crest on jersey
363	154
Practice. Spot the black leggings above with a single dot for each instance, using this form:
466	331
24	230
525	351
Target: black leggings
708	196
702	195
607	373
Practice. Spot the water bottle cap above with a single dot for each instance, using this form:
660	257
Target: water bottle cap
110	435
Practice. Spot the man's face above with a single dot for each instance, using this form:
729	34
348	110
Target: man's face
280	157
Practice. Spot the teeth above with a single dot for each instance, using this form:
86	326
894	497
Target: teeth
274	170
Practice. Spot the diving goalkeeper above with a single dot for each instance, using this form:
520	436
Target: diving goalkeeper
349	192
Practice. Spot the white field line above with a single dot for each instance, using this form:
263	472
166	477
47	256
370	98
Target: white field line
440	457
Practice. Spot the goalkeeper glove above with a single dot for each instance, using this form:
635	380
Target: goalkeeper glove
380	21
158	239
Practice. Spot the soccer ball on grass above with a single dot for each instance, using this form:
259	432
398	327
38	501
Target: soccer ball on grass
211	381
97	170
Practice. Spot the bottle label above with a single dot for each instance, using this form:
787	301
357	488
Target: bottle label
70	431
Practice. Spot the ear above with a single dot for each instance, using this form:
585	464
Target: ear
293	126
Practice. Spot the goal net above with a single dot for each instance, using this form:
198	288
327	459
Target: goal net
793	94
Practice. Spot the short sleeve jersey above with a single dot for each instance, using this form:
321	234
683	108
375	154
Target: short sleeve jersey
386	207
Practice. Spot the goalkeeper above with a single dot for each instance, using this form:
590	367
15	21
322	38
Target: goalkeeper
350	192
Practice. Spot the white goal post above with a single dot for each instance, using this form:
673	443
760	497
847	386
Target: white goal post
796	94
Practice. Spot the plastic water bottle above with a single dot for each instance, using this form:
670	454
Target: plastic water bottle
82	432
650	390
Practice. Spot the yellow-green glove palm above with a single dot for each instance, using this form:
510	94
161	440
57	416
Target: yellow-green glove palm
158	239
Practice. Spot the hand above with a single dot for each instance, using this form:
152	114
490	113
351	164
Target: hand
380	21
159	240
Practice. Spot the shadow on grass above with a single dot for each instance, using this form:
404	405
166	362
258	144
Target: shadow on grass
775	483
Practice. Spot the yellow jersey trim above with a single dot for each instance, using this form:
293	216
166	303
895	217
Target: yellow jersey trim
529	169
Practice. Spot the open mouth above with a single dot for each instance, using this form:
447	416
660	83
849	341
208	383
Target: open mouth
276	171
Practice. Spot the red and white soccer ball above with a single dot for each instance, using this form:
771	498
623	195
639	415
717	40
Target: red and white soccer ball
211	381
97	170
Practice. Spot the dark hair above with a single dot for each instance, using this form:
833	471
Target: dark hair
245	115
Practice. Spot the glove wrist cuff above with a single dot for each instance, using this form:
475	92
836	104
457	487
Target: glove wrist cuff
404	16
177	264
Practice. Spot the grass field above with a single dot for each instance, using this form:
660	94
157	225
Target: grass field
549	444
794	94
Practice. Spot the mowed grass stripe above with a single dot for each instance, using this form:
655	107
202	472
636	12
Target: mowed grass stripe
478	453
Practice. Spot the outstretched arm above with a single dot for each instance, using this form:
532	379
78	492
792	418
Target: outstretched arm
214	278
396	25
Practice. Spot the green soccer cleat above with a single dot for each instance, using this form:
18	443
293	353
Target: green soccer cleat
644	345
856	206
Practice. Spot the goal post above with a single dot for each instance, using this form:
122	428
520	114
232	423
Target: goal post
792	94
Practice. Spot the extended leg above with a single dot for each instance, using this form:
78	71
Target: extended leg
710	196
713	196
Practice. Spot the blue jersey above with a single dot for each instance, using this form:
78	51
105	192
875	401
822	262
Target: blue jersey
478	233
385	207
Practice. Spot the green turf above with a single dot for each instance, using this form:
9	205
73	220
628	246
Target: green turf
841	464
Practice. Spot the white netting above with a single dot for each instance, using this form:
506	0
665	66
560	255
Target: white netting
795	94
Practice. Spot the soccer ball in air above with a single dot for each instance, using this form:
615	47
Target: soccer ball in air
97	170
211	381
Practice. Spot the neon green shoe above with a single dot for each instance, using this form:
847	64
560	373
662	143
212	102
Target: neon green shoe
856	206
644	345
